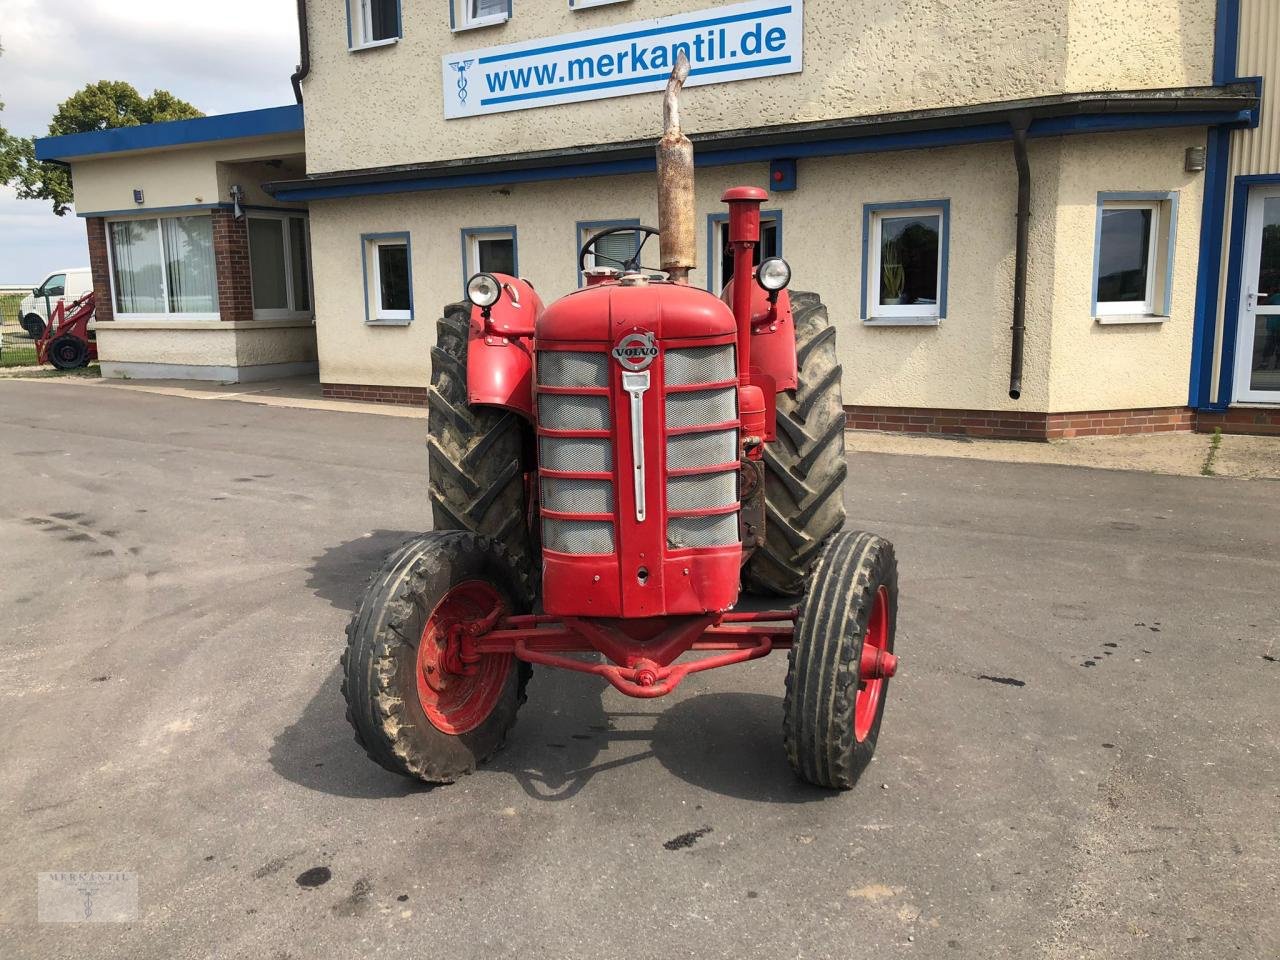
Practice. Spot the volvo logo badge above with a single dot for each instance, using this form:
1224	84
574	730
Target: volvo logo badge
636	351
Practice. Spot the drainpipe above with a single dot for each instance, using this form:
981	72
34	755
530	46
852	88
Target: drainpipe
1020	122
304	52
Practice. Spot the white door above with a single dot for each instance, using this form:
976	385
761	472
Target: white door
1257	373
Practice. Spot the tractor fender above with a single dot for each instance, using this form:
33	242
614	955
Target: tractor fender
773	341
500	352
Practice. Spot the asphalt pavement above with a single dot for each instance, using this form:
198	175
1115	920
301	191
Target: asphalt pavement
1080	755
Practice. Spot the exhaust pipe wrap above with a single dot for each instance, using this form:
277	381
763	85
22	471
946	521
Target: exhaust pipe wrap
675	184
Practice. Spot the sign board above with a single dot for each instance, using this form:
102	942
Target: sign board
760	38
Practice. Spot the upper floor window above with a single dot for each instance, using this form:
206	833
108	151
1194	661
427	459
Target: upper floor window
904	262
372	22
468	14
1133	256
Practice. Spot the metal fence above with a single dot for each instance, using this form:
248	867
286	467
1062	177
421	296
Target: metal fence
18	348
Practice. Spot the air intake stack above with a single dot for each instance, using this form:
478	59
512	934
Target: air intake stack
675	184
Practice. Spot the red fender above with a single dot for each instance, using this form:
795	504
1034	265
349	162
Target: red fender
500	353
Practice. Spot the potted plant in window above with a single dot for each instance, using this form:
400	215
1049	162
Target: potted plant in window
893	277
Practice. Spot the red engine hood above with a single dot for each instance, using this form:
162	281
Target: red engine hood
604	312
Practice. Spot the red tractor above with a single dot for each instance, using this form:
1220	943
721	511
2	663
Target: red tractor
67	341
607	474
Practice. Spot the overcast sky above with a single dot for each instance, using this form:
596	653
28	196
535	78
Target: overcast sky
220	55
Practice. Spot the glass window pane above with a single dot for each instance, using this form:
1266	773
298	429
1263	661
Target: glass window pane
487	8
56	285
1264	367
384	19
768	247
135	260
189	271
1269	263
266	263
497	255
1124	250
393	276
615	249
909	259
300	263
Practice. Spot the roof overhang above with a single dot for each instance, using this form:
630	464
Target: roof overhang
174	134
1111	111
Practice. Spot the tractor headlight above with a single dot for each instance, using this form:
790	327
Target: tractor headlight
774	274
483	290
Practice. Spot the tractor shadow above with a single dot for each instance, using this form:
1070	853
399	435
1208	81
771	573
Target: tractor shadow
728	743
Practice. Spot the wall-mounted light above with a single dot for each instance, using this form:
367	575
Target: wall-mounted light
138	196
237	194
1194	162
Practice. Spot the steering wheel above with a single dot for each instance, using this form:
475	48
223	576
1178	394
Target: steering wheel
631	265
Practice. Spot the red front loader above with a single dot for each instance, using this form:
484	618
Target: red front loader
606	473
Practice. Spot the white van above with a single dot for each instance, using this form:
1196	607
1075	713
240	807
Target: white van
67	285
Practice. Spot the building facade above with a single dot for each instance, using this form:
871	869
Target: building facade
1026	219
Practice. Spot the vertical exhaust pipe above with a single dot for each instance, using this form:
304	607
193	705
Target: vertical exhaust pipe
675	184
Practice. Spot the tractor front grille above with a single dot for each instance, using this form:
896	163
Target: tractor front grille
590	492
702	444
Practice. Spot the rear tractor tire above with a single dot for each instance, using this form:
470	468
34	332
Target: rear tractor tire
476	454
841	660
414	712
34	324
805	467
67	352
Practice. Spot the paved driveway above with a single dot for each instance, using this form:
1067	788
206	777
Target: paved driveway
1080	757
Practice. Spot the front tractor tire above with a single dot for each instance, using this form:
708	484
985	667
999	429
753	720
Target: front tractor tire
476	454
416	708
841	660
805	467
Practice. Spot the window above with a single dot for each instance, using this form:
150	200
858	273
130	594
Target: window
611	252
164	266
388	275
904	262
488	250
720	254
584	4
1133	250
55	286
279	265
372	23
469	14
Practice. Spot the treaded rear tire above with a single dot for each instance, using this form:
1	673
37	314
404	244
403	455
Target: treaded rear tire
476	454
824	662
805	467
379	666
34	324
67	352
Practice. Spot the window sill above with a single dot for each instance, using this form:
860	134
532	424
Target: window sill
588	4
922	321
357	48
481	24
1129	318
389	322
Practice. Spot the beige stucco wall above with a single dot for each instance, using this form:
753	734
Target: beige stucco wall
174	177
210	343
1071	362
1116	366
383	105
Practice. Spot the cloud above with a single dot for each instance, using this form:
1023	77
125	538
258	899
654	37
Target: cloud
221	56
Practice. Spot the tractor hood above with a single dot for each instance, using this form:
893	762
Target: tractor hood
604	312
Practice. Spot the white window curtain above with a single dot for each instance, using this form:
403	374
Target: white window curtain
188	247
135	254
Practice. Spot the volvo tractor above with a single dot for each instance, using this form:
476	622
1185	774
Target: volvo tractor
608	474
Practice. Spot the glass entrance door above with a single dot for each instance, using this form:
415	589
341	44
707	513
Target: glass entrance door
1257	373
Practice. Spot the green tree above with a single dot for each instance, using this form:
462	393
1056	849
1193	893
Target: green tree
6	149
99	106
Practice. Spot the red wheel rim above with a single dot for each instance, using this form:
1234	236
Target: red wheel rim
453	701
871	692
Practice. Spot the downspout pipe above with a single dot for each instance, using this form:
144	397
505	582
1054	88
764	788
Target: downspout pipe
1020	122
304	53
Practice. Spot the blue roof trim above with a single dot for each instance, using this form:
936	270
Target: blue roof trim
174	133
948	137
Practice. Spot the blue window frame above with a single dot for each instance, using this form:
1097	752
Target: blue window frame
386	264
489	250
719	257
373	23
472	14
1135	235
583	229
905	261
